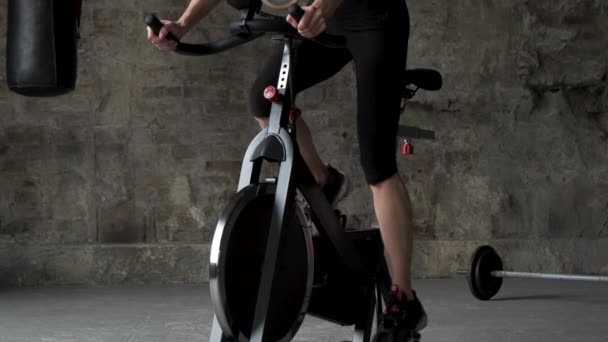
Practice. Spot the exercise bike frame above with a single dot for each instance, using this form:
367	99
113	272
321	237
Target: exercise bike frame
278	144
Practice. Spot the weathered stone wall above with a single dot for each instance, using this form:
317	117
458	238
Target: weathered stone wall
124	179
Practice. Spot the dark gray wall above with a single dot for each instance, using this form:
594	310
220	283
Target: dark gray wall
124	179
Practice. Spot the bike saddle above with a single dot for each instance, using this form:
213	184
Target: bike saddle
427	79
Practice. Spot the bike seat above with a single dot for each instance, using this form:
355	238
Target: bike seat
427	79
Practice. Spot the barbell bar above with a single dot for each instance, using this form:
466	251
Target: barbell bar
486	272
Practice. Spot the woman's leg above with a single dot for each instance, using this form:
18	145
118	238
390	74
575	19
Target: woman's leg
314	64
394	213
380	58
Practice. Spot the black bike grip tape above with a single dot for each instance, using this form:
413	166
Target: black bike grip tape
156	25
296	11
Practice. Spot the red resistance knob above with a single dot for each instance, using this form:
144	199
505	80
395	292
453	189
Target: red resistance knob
407	148
294	113
271	93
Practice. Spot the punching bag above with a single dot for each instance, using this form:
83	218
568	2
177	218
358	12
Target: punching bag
41	46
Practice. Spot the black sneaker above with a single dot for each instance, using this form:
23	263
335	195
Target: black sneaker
336	187
403	319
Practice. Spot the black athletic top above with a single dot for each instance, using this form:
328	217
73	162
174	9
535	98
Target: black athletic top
360	15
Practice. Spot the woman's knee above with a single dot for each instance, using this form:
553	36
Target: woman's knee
384	182
259	106
378	170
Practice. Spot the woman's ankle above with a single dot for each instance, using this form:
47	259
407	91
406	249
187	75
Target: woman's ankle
405	292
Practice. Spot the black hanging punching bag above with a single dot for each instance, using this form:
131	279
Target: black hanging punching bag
41	46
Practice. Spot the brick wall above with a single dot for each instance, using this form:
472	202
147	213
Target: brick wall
123	180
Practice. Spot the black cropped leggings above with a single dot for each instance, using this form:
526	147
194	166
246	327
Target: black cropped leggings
379	57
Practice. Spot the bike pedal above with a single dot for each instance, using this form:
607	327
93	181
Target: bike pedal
341	218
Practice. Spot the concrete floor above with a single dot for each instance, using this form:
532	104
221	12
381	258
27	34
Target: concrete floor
525	310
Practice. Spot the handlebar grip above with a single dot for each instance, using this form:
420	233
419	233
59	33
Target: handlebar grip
328	40
296	11
156	25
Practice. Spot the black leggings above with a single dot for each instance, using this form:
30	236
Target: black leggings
379	57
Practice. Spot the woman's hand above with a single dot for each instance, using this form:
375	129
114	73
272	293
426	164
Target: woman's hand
161	41
315	18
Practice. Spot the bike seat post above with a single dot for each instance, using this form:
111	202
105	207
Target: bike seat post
277	109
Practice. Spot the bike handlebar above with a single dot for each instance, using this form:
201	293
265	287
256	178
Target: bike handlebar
280	26
200	49
246	31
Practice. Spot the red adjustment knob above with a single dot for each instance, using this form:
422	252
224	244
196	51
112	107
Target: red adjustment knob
271	93
407	148
294	113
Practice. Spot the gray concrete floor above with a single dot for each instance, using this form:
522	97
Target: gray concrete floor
525	310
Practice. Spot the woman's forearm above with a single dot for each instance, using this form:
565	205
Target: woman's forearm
196	11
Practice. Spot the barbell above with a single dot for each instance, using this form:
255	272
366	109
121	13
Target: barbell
485	274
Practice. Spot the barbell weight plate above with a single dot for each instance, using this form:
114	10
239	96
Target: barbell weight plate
472	274
482	284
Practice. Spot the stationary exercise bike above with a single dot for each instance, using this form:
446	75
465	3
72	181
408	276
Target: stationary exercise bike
280	251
